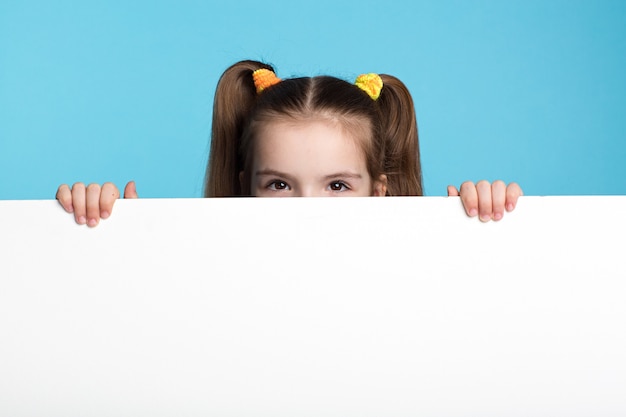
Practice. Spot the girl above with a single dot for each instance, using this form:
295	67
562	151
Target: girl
318	136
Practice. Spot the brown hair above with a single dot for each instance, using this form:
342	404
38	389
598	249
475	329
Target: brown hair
387	125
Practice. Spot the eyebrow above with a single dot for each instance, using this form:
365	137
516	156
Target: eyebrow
274	173
345	174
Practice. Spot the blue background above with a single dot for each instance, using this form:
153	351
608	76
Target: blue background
529	91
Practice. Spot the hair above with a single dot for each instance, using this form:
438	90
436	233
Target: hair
387	126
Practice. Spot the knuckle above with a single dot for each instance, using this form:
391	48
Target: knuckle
467	185
483	186
64	199
93	187
111	189
62	191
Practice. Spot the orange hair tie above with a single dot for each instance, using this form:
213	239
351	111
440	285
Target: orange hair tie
371	83
264	78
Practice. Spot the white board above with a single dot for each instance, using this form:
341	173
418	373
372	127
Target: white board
310	307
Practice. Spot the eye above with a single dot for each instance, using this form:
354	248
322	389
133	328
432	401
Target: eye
338	186
277	185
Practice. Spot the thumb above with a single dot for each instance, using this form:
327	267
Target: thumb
452	191
130	191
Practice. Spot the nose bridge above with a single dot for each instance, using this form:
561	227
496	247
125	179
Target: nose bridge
309	190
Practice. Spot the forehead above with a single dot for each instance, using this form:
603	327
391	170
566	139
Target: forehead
321	142
309	127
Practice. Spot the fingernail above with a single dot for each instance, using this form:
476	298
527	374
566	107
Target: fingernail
82	220
509	207
104	214
92	222
473	212
497	216
484	218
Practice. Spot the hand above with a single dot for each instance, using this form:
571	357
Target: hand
488	201
92	203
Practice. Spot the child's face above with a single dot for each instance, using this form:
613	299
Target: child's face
309	159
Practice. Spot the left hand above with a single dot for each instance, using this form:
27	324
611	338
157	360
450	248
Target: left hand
488	201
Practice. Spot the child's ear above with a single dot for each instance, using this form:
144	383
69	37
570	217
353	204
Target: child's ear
380	186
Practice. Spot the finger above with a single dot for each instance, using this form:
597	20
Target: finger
452	191
483	189
498	197
469	198
79	203
93	205
513	192
130	191
64	196
108	195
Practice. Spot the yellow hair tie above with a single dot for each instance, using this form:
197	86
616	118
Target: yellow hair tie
264	78
371	83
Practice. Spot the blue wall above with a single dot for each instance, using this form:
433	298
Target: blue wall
529	91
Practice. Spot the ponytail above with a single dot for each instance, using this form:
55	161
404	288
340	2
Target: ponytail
235	97
399	129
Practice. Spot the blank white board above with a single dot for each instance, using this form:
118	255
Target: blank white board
314	307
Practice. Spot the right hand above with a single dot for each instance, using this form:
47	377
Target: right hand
93	202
